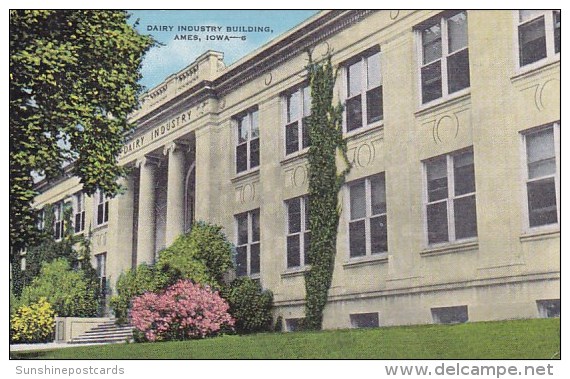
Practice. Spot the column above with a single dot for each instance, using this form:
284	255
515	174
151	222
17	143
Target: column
176	183
147	215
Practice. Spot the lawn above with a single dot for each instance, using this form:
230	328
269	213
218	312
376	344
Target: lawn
519	339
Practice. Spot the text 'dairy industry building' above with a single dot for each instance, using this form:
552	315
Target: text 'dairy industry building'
451	211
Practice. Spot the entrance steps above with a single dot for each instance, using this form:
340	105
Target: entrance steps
106	332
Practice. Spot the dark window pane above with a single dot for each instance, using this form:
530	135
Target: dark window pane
437	222
464	173
542	202
99	214
77	223
106	218
305	132
293	251
255	259
557	31
241	261
307	242
255	225
373	71
540	153
354	113
355	79
254	153
450	315
294	209
293	102
241	158
431	43
458	71
378	193
291	138
379	234
374	105
465	217
243	129
437	179
532	41
254	124
364	320
242	229
357	201
457	31
431	82
306	199
83	220
357	238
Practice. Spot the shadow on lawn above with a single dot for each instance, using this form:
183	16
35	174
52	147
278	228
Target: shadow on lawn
28	354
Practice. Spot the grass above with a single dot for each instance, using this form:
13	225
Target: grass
517	339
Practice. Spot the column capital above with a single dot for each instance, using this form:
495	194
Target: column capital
147	160
174	146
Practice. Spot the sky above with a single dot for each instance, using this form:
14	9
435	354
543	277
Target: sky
167	27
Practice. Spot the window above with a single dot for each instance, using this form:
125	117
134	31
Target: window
364	320
297	112
102	211
294	324
58	224
79	212
444	56
364	90
41	219
248	245
101	270
450	315
542	181
539	35
247	148
298	234
368	224
450	209
548	308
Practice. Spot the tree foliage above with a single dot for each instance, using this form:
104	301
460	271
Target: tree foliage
325	182
73	81
250	305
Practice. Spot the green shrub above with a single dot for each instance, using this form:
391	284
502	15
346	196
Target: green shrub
133	283
68	291
249	305
204	255
33	323
14	303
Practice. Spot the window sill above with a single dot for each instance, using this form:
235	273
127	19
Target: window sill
366	261
246	175
100	226
294	271
295	156
444	102
365	130
542	234
532	68
450	248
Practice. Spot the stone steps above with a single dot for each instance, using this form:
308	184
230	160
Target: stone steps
107	332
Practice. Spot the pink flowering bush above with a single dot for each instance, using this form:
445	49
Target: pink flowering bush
184	310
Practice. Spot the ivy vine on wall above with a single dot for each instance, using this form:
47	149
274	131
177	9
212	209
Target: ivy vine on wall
325	182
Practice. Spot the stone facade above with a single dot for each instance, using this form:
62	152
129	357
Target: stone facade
191	138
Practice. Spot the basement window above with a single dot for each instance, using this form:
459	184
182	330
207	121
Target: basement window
294	324
364	320
450	315
548	308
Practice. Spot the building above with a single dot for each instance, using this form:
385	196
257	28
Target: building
451	211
